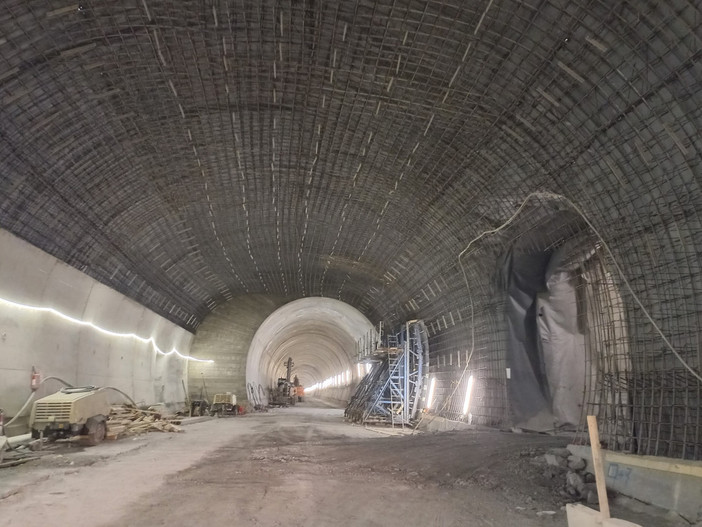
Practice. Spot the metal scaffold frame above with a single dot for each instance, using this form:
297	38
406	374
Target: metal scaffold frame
390	392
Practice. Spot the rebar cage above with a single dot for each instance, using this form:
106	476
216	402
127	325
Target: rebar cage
185	153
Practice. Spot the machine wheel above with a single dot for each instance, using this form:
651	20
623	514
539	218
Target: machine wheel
99	429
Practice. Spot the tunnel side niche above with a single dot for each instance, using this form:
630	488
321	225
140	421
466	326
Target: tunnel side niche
318	333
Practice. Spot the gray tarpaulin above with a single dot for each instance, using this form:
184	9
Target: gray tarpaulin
562	343
523	276
545	350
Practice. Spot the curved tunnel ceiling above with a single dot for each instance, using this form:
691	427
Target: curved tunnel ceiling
318	333
188	152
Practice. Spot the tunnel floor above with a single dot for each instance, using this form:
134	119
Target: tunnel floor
294	466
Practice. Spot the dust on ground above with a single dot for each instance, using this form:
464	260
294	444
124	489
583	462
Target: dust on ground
305	466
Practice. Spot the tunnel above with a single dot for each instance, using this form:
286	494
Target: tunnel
319	334
195	192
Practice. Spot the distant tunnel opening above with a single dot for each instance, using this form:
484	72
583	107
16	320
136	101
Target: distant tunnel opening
319	334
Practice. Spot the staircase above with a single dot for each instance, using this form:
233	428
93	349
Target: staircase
390	392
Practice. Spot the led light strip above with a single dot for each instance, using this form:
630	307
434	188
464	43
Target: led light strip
150	340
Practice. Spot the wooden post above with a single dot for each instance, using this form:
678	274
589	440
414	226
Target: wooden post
598	465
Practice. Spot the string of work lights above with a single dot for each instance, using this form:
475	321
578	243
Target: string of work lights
85	323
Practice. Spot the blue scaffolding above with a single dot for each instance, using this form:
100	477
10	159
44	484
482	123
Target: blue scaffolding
390	391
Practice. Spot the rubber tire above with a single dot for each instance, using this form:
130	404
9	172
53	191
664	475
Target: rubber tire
96	437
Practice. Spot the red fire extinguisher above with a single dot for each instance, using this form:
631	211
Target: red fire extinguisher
36	379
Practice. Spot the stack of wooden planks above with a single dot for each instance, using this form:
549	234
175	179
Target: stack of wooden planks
125	420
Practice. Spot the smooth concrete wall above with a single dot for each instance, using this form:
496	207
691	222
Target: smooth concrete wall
79	354
225	337
318	333
673	484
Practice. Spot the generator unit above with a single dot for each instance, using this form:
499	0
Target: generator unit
69	412
224	404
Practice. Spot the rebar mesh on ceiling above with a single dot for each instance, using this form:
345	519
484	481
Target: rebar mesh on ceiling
188	152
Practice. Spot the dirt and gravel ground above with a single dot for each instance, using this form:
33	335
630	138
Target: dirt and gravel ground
294	466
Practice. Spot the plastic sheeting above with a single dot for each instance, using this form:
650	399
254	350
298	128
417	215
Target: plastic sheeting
562	345
545	349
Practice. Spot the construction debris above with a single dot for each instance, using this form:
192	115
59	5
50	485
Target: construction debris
125	420
579	484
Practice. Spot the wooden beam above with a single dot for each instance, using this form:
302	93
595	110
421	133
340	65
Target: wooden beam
598	465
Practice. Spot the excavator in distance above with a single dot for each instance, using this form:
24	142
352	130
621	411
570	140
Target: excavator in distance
285	392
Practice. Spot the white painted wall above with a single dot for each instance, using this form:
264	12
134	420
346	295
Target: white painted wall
318	333
79	354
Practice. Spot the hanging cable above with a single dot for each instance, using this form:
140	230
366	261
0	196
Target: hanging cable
122	393
605	245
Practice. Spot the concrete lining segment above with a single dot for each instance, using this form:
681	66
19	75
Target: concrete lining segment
318	333
672	484
79	354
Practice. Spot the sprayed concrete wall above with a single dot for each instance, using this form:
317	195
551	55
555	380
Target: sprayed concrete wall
225	337
79	354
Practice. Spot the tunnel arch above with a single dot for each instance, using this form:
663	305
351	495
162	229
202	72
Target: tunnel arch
199	161
318	333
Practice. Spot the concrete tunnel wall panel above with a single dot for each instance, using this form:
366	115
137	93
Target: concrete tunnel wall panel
79	354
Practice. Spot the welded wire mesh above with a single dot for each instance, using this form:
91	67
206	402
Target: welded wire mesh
644	398
188	152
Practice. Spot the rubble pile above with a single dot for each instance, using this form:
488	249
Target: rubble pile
579	483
